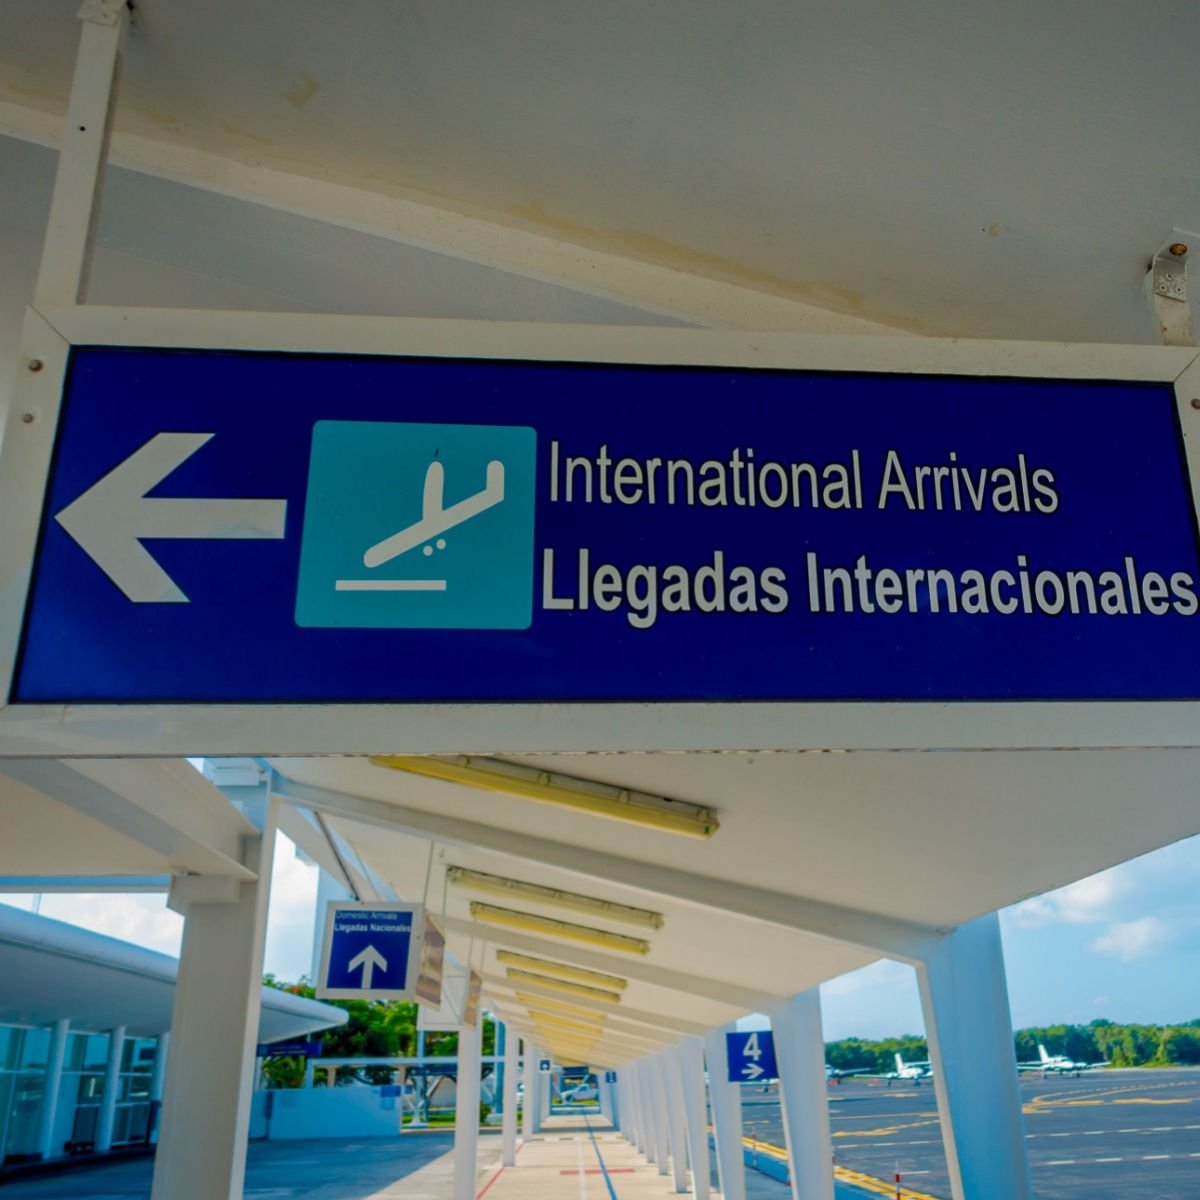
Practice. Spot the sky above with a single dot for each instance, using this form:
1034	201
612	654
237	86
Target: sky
1123	944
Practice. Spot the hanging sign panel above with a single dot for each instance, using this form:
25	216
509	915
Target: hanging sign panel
371	951
266	528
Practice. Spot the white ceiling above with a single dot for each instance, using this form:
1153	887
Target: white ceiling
953	168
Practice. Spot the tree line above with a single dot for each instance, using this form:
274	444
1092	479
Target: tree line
1098	1041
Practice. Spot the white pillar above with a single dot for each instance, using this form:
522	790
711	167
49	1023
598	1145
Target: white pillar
662	1110
529	1101
214	1032
672	1077
112	1084
967	1019
466	1112
646	1101
726	1101
691	1060
544	1078
508	1122
803	1094
50	1088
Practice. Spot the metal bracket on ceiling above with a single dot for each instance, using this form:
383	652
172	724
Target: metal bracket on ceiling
1169	292
103	12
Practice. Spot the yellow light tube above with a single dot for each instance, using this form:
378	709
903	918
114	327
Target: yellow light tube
549	787
546	966
570	1010
554	1021
563	985
511	918
607	910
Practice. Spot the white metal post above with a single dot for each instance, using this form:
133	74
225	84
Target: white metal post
672	1078
691	1061
544	1089
967	1019
75	206
509	1118
214	1031
112	1084
50	1090
529	1100
466	1112
803	1092
726	1101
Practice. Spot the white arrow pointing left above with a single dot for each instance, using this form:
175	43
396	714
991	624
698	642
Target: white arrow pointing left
370	960
113	515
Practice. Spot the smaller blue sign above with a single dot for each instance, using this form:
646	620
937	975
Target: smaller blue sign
610	1077
369	951
544	1066
751	1056
289	1049
391	1090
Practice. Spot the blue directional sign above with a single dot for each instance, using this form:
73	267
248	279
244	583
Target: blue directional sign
266	528
293	1049
544	1066
371	951
751	1056
610	1077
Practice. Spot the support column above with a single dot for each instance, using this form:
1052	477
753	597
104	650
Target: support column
662	1120
529	1101
466	1112
726	1101
672	1077
112	1084
964	995
544	1089
51	1086
691	1061
803	1093
214	1032
509	1122
646	1104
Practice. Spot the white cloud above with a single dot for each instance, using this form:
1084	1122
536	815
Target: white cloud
1131	940
1093	899
143	920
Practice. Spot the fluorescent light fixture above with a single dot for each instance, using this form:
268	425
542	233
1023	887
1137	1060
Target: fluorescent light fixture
548	787
608	910
510	918
547	966
550	1021
564	986
544	1002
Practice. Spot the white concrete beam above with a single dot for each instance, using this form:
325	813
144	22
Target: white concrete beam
902	940
162	804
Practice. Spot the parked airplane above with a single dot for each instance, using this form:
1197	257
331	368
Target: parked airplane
913	1071
1058	1064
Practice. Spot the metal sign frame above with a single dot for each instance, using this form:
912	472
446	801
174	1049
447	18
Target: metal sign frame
225	730
412	966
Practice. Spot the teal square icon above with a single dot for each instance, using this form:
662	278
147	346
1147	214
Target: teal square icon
414	526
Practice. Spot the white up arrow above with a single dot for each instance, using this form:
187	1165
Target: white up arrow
113	514
370	960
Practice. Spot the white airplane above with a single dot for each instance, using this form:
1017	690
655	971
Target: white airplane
1058	1064
435	519
914	1071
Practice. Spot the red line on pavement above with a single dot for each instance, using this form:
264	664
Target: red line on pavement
484	1190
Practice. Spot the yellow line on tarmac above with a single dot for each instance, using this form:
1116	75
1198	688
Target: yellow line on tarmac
868	1183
